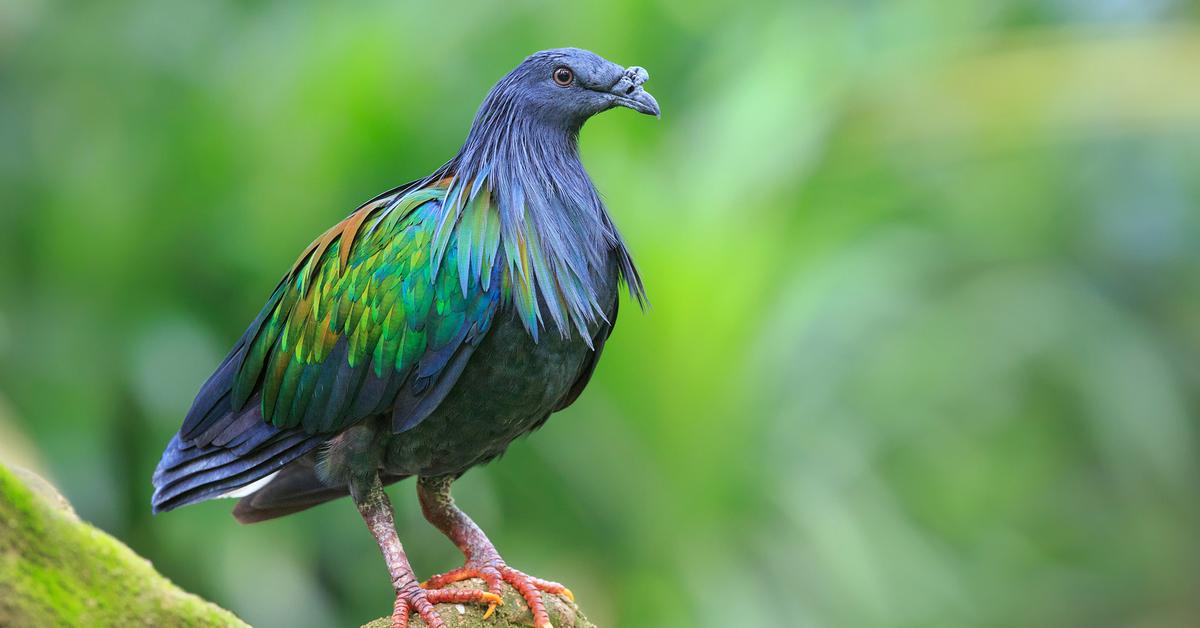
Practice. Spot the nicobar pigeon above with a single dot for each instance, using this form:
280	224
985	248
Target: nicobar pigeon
422	334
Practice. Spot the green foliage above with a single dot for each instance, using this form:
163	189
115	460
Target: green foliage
924	280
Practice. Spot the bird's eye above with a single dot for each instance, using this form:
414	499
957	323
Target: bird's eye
563	76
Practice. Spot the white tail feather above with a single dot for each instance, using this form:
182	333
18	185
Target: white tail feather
250	488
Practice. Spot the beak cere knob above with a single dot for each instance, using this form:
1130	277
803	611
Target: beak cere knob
632	79
637	75
629	92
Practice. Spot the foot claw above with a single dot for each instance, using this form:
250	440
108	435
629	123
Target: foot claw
491	599
423	602
495	573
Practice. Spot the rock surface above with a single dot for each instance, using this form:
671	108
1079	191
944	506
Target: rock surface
56	570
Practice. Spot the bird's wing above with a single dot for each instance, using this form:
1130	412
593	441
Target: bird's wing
365	323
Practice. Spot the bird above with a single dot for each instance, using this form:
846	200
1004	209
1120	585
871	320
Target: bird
422	334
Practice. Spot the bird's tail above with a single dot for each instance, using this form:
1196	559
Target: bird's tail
190	473
296	488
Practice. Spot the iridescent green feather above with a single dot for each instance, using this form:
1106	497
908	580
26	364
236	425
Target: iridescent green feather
387	309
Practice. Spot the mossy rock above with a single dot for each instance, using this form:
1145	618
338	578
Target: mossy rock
514	613
56	570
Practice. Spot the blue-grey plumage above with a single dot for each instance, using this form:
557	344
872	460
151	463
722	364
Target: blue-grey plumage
523	147
407	339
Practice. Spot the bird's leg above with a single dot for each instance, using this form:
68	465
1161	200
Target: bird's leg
483	561
376	510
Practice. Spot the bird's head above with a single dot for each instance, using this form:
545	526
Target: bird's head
566	86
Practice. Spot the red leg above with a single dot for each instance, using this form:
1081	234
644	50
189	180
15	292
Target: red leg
483	561
376	510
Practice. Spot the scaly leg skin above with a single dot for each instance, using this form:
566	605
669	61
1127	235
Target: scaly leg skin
376	510
483	561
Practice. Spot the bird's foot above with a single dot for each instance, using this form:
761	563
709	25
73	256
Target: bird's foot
493	573
422	601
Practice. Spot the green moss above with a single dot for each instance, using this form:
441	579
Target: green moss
18	501
56	570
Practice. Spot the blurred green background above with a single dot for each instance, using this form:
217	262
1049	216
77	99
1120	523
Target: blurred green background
925	281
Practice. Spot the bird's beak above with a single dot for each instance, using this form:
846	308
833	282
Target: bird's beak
628	92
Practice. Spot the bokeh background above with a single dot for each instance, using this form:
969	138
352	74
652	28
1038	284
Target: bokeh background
925	280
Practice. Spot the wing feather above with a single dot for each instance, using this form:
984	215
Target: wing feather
362	317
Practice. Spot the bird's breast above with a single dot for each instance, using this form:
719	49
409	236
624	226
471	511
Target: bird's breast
509	387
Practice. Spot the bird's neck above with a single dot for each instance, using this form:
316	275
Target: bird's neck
555	236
